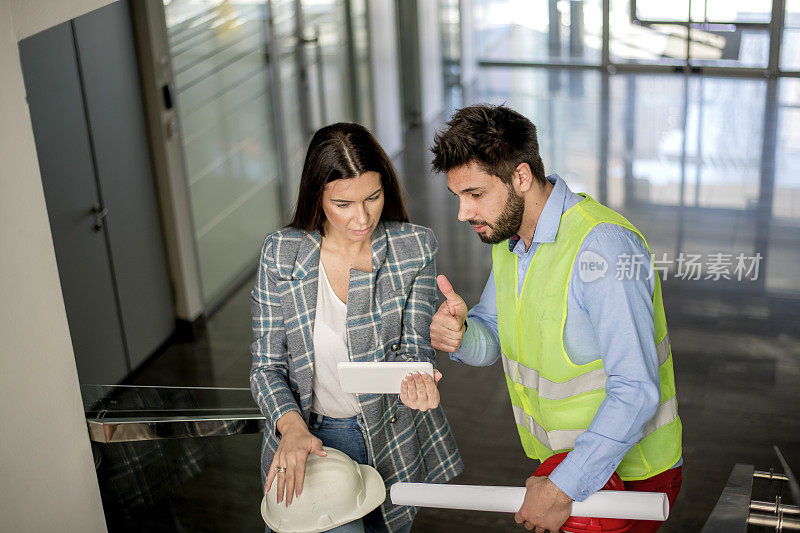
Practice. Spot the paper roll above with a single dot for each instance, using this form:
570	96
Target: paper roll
602	504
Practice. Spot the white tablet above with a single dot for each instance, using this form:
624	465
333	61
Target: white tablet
377	378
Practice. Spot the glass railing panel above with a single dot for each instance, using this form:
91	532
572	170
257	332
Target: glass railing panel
166	480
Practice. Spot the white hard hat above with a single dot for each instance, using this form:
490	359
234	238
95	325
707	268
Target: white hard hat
336	490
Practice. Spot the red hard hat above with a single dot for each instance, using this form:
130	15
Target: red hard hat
581	524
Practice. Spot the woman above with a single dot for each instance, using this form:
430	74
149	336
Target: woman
348	280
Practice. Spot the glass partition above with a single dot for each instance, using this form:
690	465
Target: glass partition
730	33
540	32
790	47
222	91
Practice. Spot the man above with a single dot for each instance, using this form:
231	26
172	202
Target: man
585	350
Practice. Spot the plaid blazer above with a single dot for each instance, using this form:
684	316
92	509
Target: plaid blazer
389	312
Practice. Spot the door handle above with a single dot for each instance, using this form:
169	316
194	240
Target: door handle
99	214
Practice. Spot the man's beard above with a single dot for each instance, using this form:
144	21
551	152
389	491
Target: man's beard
508	222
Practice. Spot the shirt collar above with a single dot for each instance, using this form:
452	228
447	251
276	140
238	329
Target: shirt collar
550	218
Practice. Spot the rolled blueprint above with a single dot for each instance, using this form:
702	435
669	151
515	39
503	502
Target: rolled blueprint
602	504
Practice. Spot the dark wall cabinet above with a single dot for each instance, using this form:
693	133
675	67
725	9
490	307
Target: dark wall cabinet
83	89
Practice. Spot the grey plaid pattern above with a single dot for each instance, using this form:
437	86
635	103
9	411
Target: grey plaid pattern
390	307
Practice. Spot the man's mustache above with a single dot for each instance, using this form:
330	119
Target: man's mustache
479	223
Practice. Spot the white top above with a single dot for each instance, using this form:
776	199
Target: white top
330	348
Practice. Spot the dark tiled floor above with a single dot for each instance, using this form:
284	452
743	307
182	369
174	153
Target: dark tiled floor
736	345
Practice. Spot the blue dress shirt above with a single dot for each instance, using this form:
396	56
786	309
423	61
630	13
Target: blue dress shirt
609	317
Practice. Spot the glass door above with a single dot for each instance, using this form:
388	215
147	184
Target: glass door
322	69
330	60
290	77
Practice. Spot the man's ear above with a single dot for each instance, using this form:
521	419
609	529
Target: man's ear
523	178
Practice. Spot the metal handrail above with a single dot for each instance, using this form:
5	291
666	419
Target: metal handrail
731	512
735	510
111	430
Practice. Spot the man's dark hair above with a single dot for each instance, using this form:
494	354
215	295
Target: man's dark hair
497	138
342	151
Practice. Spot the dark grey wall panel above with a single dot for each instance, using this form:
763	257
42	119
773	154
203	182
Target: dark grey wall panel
65	159
116	114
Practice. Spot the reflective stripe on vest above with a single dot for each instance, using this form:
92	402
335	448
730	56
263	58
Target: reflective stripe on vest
552	390
666	413
563	439
557	439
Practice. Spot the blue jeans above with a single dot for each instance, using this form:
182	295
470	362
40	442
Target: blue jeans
347	435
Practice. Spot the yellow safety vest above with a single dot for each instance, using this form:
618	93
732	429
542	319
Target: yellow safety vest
555	400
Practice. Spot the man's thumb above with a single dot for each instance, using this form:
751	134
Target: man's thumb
444	286
449	293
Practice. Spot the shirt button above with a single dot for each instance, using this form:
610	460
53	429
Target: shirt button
393	420
395	347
